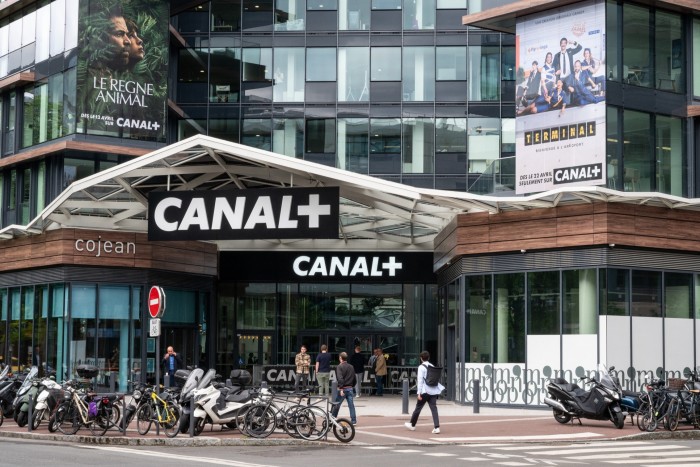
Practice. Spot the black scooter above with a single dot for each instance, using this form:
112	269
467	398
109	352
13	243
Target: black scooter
601	402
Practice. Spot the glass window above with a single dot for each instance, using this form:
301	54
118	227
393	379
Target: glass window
637	46
26	196
322	306
484	73
196	19
257	132
76	169
670	156
4	39
257	306
353	144
43	16
289	74
478	303
57	106
484	142
224	75
71	30
41	113
41	187
579	293
58	27
69	90
615	290
353	15
320	135
451	63
646	294
257	15
288	136
508	135
224	128
637	156
376	306
9	117
386	64
419	15
192	75
451	135
418	76
678	295
386	4
669	48
320	64
15	39
385	145
322	4
508	63
509	318
290	15
696	63
543	302
612	40
257	65
28	117
613	148
353	74
418	145
28	28
451	4
226	15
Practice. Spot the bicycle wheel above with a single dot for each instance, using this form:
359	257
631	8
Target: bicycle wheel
144	419
311	422
100	423
344	430
170	424
68	419
260	421
289	421
673	415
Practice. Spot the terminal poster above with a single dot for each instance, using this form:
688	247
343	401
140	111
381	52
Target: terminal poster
122	68
560	98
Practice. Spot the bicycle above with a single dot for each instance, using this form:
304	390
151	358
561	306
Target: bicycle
162	411
272	411
79	410
314	422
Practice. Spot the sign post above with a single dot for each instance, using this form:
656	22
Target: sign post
156	308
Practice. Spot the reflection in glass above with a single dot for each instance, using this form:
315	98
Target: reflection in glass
614	293
451	63
320	135
579	295
224	75
509	318
418	145
287	136
678	295
289	74
290	15
353	15
670	56
257	64
386	64
671	164
419	15
484	142
418	77
543	303
257	132
478	303
353	74
637	46
353	144
484	73
637	151
320	64
646	293
225	15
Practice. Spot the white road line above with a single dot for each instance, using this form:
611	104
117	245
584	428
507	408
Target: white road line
662	453
521	438
376	447
470	422
439	454
694	463
165	455
473	459
639	461
406	451
608	450
574	445
513	463
403	438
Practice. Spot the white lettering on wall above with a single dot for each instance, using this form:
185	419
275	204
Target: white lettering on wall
97	247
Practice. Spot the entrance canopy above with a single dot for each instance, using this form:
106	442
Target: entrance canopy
375	214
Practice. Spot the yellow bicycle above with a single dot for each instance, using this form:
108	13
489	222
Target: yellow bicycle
161	410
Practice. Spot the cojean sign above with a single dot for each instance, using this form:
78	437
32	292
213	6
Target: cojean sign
244	214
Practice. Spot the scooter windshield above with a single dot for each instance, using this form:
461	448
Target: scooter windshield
191	382
28	380
206	381
605	378
4	372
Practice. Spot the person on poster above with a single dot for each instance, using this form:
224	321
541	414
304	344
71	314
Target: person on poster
591	66
577	85
532	88
564	59
110	49
136	49
556	99
549	73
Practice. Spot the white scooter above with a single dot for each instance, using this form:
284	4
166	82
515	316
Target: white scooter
46	401
220	404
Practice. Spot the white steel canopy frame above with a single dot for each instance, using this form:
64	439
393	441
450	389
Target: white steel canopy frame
375	214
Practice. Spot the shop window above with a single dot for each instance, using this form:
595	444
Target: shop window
678	295
543	303
353	15
478	319
579	290
256	306
646	294
509	318
323	306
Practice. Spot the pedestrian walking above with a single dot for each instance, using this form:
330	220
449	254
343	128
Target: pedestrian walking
379	371
323	370
357	360
345	375
427	392
303	362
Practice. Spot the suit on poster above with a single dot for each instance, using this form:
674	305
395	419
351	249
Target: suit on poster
565	66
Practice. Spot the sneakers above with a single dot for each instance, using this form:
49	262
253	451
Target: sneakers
436	431
409	426
354	423
357	396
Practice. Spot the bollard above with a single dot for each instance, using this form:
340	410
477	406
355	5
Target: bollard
192	416
404	396
30	412
477	395
334	391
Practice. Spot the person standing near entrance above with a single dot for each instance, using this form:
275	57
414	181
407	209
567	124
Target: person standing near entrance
323	370
357	360
171	363
303	362
379	371
427	394
345	375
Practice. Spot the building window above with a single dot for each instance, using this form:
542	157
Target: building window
322	4
671	163
484	73
484	143
353	144
646	294
353	15
225	75
290	15
192	76
580	313
678	295
509	318
418	145
257	132
637	46
257	15
224	128
386	4
451	4
226	15
385	146
320	136
669	48
289	74
637	157
451	63
543	303
386	64
418	74
288	136
320	64
257	65
353	74
419	15
478	319
696	63
615	292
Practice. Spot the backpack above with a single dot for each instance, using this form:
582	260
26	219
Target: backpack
432	378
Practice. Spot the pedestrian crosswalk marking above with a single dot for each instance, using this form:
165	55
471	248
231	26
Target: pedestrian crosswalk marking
607	444
521	438
607	450
663	458
440	454
406	451
473	459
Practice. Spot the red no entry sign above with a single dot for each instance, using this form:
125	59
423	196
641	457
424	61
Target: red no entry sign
156	302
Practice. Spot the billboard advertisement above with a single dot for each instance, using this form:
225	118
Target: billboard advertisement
560	98
122	68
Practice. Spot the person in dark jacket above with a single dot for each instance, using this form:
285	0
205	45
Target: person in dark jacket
345	375
171	363
357	360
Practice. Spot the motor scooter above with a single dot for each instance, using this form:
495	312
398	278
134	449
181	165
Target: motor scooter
49	394
8	391
3	376
191	383
21	403
219	404
600	402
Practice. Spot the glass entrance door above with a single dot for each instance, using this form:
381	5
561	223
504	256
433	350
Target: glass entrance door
254	351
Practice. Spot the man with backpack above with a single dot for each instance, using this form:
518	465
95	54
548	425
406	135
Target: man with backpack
429	389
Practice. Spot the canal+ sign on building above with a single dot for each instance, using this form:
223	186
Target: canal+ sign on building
244	214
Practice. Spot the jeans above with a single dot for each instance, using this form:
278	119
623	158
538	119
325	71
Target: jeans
380	385
302	378
323	379
358	383
432	403
348	394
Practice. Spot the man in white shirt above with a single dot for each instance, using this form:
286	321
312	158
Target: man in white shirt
427	394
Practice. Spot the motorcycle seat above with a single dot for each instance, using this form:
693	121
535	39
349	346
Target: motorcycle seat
110	395
241	396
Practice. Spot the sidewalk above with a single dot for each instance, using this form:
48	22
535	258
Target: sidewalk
381	422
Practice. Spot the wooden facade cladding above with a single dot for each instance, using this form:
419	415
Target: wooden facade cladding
571	226
62	247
